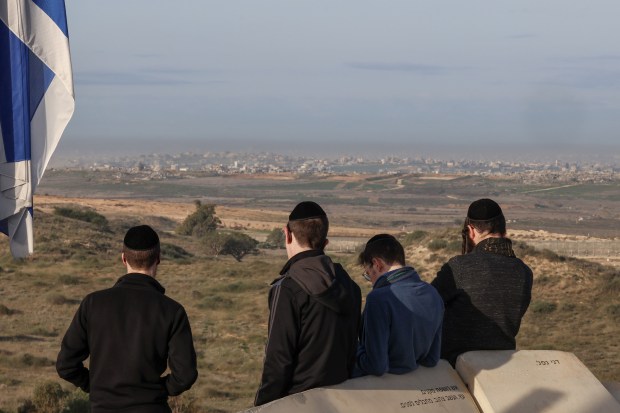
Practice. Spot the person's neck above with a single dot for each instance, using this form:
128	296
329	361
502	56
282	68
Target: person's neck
294	250
487	236
151	272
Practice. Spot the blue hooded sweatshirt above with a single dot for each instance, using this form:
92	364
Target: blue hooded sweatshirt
401	325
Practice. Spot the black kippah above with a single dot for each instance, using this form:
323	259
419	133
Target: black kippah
483	210
380	237
141	238
306	210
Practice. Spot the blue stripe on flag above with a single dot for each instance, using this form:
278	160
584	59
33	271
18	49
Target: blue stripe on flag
24	78
55	9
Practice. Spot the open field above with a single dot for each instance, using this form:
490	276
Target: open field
395	203
575	305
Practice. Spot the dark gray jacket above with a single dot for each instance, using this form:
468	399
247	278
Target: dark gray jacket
313	326
486	293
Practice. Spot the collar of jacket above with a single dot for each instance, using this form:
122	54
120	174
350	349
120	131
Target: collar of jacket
142	281
300	256
501	246
396	275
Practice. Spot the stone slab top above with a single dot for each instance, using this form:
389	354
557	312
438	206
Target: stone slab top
533	381
430	390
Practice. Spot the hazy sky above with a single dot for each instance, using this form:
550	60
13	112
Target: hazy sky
344	71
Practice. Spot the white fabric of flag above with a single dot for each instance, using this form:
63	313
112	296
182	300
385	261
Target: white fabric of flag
36	104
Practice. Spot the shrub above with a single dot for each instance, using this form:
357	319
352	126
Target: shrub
174	252
612	286
40	331
200	222
77	402
57	299
236	244
4	310
26	406
239	245
275	240
82	214
183	404
414	236
69	280
543	307
437	244
34	361
455	246
551	256
614	311
215	301
48	397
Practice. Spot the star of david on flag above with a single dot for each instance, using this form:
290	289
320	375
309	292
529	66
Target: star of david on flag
36	104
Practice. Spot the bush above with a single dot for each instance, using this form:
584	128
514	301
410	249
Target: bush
414	236
82	214
614	311
48	397
612	286
69	280
26	406
174	252
77	402
34	361
239	245
455	246
275	240
437	244
215	301
551	256
543	307
4	310
200	222
236	244
57	299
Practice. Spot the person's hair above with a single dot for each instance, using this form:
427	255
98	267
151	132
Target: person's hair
382	246
143	259
310	232
495	225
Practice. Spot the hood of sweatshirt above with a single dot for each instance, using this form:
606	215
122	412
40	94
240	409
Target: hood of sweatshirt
325	282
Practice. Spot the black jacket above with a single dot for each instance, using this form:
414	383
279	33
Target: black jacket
486	293
131	332
313	325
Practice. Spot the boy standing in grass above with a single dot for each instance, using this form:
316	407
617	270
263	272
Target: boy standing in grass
314	313
131	332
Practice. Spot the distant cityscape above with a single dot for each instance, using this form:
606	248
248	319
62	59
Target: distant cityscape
167	166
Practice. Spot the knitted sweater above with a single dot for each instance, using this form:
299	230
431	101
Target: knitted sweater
486	293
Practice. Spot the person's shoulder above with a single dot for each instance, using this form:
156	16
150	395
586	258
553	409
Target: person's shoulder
286	282
380	294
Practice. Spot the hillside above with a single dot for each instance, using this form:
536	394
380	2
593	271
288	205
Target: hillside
575	306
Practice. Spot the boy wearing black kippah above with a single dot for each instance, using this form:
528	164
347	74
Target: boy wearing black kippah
131	332
314	313
486	290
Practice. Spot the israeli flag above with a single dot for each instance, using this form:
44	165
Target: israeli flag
36	104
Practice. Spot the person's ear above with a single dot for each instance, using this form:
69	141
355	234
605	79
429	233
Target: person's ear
377	262
326	242
472	231
288	235
123	259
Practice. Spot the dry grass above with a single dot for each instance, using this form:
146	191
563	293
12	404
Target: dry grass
576	305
